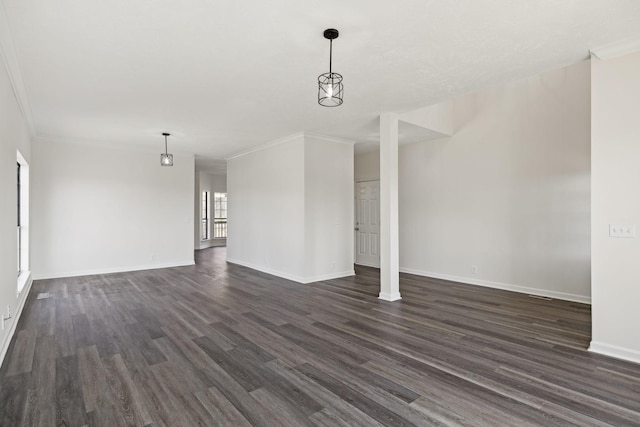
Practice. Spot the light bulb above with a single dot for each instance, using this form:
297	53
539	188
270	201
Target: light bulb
330	90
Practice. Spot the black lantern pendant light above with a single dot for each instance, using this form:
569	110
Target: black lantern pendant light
330	88
166	159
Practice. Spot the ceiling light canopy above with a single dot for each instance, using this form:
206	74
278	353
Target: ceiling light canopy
330	87
166	159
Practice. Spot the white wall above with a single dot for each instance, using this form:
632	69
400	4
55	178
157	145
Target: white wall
329	208
367	166
218	183
290	209
615	180
98	210
265	207
509	193
14	135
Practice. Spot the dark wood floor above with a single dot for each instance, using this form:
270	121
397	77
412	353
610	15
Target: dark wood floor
218	344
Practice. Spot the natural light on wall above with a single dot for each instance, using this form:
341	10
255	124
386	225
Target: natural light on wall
22	216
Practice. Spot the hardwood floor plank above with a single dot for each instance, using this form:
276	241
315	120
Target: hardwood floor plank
14	400
138	337
326	398
240	341
43	380
237	395
280	412
24	350
187	347
189	410
63	331
69	399
132	393
366	405
328	418
92	378
234	364
221	410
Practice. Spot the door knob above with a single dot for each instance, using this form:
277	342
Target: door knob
357	228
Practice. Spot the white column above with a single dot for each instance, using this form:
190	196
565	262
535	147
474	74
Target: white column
389	246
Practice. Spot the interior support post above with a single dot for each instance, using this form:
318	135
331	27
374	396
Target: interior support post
389	241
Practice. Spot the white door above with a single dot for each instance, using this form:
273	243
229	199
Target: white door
367	225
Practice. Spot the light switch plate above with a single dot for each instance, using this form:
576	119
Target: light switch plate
622	230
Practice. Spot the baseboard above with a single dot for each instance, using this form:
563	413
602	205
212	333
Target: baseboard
389	297
615	351
42	276
330	276
499	285
267	270
21	302
293	277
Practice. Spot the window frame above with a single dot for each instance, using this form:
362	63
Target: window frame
220	215
205	212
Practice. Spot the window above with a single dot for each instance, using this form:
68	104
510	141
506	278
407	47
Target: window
205	234
22	220
18	216
219	215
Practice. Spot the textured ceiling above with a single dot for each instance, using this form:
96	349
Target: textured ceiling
225	76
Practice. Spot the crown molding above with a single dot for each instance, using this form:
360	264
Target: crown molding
287	139
103	144
12	65
266	145
616	49
329	138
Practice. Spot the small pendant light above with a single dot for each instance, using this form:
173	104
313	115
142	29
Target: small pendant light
330	88
166	159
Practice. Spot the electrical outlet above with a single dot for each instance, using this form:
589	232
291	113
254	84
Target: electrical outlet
474	269
622	230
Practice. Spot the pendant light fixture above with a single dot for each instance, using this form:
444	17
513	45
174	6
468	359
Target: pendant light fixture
166	159
330	88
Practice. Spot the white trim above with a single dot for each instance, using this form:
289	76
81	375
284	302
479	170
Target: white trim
12	65
42	276
329	138
130	146
616	49
287	276
23	279
287	139
22	298
266	145
330	276
499	285
390	297
293	277
615	351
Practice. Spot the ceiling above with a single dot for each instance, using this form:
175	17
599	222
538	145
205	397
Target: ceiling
225	76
